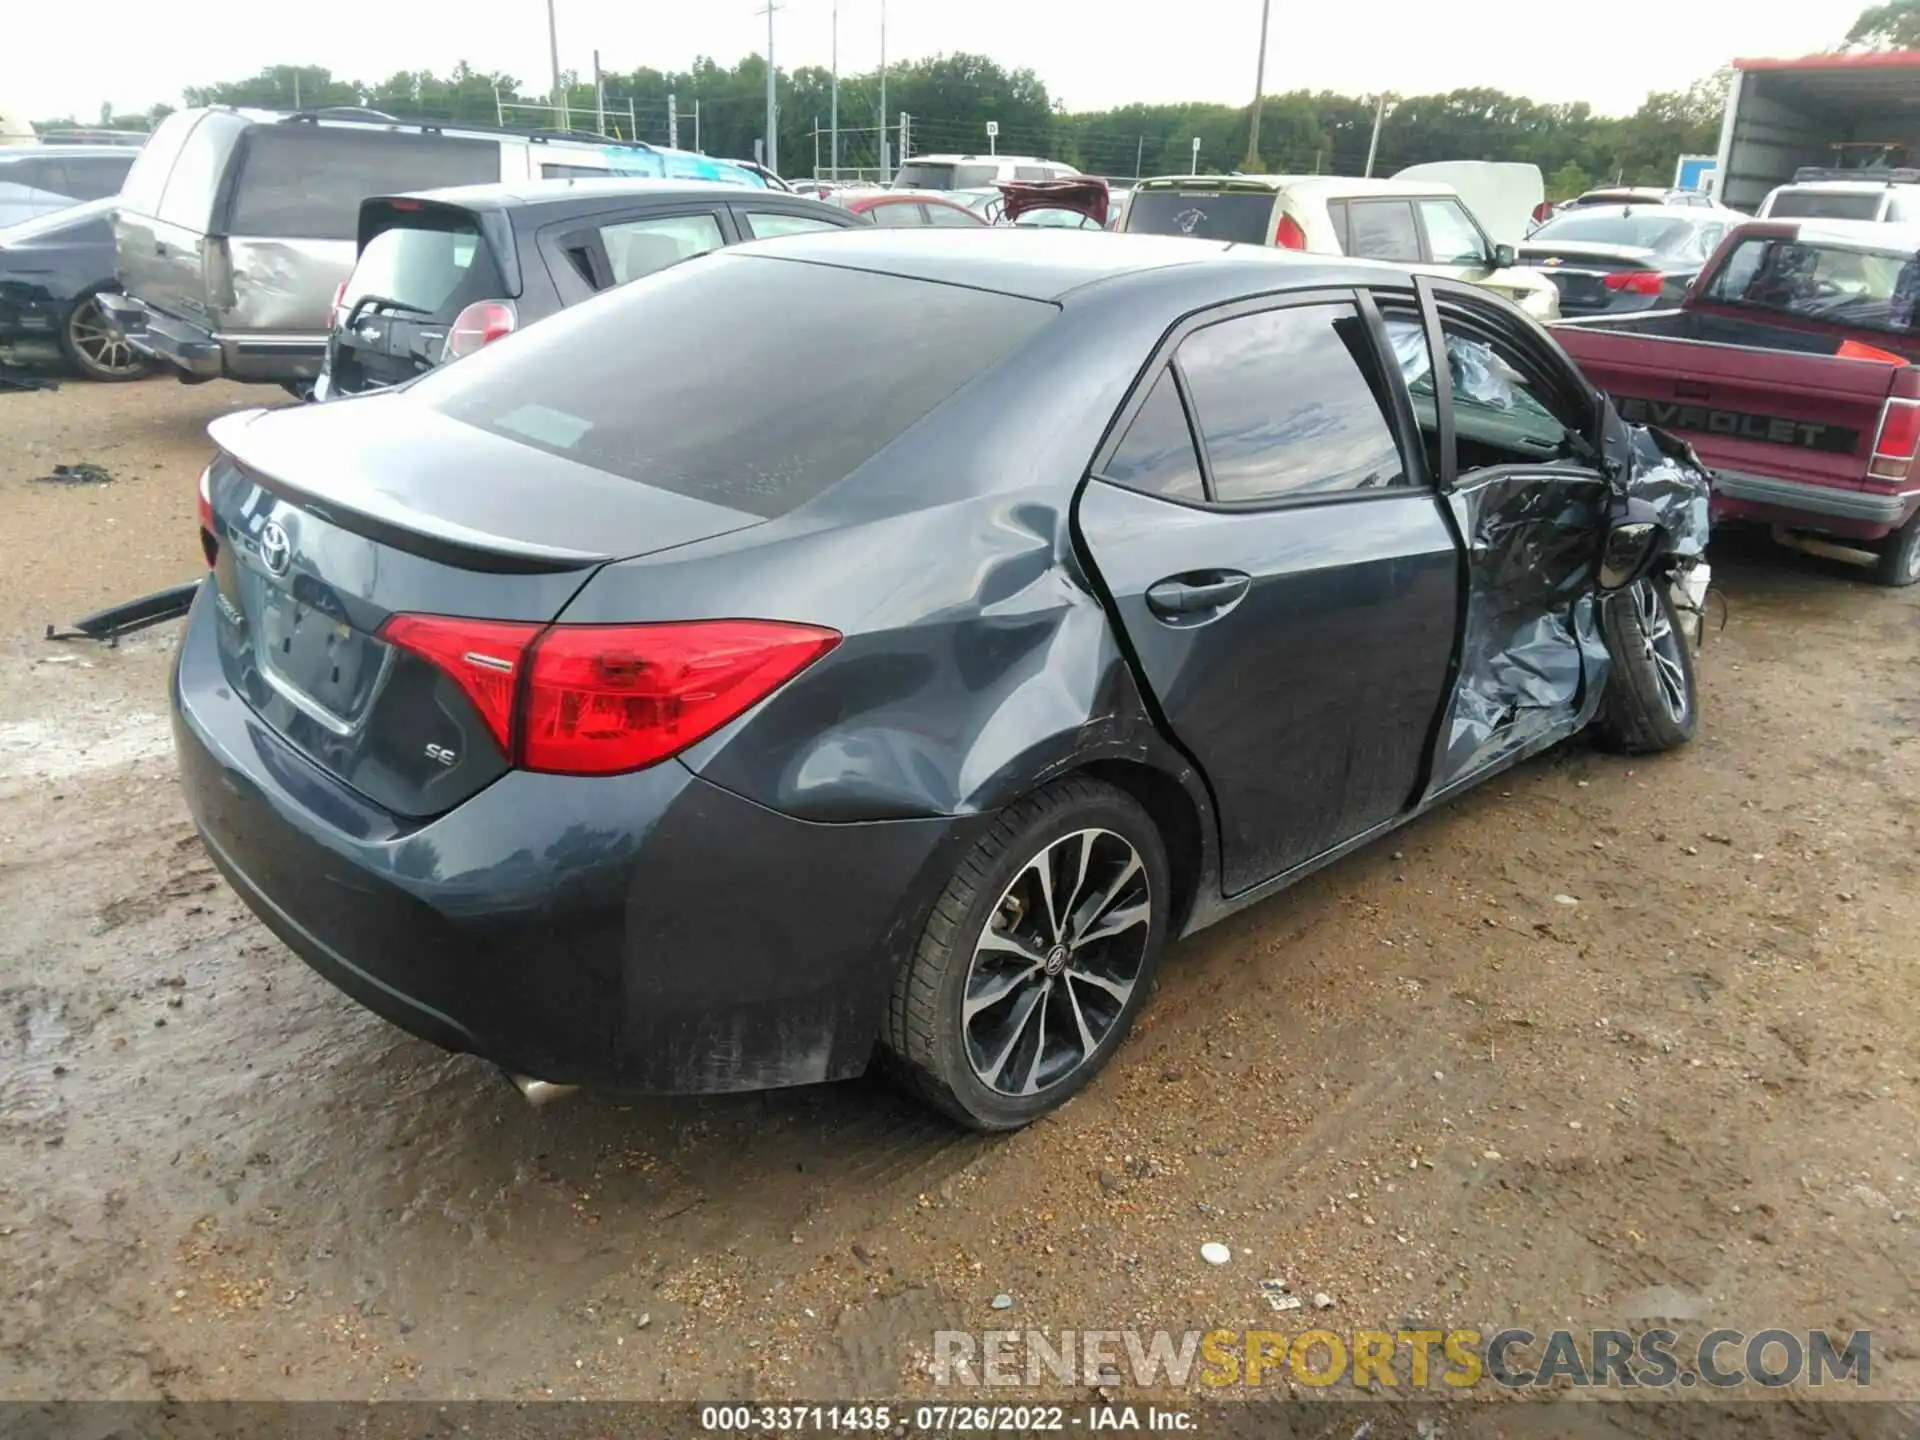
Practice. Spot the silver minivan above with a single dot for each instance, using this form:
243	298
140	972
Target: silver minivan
236	228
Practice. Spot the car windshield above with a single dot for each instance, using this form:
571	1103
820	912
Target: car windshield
1239	216
1825	205
677	380
1872	290
1644	229
435	264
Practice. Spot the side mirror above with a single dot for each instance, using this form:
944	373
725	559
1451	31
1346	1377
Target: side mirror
1630	551
1503	257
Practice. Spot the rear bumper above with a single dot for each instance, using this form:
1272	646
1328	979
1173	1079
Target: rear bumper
200	353
647	931
1860	514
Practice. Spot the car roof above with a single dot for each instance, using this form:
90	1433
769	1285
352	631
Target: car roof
1844	187
950	158
526	193
62	152
1051	263
1313	184
1700	213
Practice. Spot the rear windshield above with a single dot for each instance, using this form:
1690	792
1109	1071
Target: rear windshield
1857	288
1615	227
678	380
1204	214
915	175
307	182
436	264
1825	205
140	192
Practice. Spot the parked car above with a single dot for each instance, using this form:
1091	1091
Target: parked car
40	179
1845	195
900	209
712	754
1642	195
970	172
1406	222
1636	257
235	228
1790	365
53	270
444	272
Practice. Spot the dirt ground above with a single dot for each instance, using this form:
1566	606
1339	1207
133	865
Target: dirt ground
1608	1042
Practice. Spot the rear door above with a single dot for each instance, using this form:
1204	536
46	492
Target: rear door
588	254
1288	585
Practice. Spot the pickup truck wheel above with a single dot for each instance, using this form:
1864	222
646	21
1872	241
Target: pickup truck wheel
1651	702
1035	960
1900	555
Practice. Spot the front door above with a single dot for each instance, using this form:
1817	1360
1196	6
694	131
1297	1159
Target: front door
1513	433
1282	572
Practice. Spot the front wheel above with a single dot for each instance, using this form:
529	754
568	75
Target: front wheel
1651	702
1899	562
95	346
1036	958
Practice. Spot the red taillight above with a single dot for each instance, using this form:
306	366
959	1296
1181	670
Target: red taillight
1288	235
1543	210
602	699
1854	350
209	537
482	657
1899	434
481	323
1634	282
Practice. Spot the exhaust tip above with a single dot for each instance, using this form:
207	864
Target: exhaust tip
540	1092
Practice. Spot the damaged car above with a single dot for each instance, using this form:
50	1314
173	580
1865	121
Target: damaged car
743	751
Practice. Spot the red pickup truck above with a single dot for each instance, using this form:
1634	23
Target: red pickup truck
1791	367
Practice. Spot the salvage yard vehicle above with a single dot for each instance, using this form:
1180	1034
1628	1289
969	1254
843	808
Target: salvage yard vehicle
906	209
1419	223
235	228
1615	260
1790	366
1131	583
43	179
973	172
53	271
444	272
1819	194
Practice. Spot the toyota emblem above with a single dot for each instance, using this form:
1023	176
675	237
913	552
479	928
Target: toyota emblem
276	551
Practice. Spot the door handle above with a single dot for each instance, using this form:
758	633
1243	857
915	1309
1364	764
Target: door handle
1204	593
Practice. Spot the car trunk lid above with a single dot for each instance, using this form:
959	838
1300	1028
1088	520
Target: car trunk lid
314	557
1579	269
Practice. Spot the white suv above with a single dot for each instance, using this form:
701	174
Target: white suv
1882	200
974	172
1423	225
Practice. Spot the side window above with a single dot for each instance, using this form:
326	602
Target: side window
765	224
640	247
1337	213
898	215
948	218
1156	456
1286	402
570	172
33	174
1383	230
96	179
1505	410
1032	172
1451	234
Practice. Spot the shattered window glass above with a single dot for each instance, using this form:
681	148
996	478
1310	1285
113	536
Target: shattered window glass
1497	418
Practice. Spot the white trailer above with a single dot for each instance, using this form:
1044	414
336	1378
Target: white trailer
1827	111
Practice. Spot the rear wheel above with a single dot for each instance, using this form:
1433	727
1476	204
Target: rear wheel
1651	702
1899	562
1036	958
95	346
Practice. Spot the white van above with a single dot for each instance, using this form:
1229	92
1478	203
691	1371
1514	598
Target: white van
975	172
1895	197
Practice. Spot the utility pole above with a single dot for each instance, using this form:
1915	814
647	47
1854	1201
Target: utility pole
1139	154
558	97
296	90
599	97
673	121
1252	163
772	161
816	145
885	171
833	122
696	127
1373	145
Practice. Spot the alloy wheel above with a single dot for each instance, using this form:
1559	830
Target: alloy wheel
1057	963
1661	643
99	342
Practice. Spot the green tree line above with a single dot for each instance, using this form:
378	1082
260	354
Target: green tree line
951	98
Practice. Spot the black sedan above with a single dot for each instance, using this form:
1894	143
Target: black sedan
1613	259
52	271
441	273
888	643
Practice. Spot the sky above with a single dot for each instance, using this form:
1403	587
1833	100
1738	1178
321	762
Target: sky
1090	55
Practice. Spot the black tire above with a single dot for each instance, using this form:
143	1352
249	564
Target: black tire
1651	702
89	345
933	1048
1899	562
